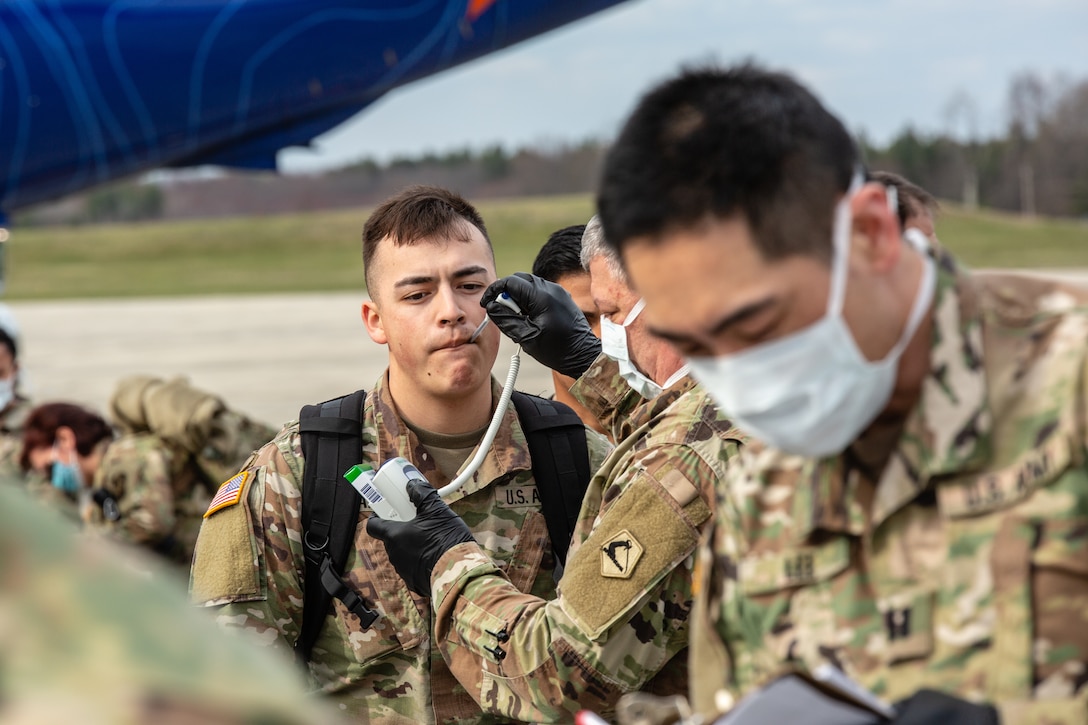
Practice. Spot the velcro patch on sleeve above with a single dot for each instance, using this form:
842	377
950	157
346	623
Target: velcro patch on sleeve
229	493
226	564
637	543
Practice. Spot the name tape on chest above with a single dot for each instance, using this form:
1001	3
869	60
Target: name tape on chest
229	493
514	496
997	489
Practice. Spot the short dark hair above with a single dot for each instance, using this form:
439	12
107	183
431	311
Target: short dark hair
417	213
715	142
560	255
41	427
9	342
913	199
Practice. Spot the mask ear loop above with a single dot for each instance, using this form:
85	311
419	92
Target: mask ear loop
840	243
922	298
635	312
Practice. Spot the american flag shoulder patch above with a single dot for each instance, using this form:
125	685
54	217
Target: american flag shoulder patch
229	493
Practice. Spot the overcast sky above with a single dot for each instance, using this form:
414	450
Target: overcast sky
880	65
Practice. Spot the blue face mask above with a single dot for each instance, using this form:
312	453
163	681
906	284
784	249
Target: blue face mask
67	476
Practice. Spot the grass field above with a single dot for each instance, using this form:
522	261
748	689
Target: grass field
321	251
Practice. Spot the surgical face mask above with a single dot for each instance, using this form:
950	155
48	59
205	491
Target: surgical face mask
813	392
614	345
67	476
7	392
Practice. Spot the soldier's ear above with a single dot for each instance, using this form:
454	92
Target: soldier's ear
372	318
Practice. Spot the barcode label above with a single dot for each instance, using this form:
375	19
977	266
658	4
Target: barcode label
370	494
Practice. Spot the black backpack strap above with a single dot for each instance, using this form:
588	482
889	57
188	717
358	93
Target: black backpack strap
332	442
557	444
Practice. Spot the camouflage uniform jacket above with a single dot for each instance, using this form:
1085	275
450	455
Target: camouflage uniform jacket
86	638
146	493
961	564
621	615
13	418
250	563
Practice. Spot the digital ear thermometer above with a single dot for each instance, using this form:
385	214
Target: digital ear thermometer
386	490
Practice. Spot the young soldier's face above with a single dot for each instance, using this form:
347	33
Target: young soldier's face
425	305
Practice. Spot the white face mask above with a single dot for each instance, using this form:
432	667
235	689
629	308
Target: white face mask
614	345
812	392
7	392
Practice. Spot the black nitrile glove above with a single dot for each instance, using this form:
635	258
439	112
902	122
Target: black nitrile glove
551	329
930	706
415	546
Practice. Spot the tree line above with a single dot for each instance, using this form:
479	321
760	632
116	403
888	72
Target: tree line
1037	165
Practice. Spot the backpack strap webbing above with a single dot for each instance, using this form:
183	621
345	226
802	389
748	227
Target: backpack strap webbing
557	444
332	442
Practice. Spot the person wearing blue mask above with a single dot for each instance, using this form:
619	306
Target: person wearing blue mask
916	521
132	487
61	449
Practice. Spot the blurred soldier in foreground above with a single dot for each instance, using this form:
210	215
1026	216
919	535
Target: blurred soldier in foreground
559	261
920	519
86	639
620	621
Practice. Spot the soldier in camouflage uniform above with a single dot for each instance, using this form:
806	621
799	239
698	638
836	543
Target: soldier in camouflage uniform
14	407
619	622
919	517
428	260
135	488
85	638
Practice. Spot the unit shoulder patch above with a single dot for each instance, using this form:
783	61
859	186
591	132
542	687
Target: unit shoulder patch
620	555
229	493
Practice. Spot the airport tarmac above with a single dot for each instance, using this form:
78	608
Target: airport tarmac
266	355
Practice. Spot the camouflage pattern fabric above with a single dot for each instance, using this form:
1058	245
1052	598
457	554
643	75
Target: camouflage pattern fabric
189	420
14	416
250	564
85	639
11	438
620	621
961	564
146	492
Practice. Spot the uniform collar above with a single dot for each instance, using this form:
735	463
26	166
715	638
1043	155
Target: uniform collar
948	429
508	455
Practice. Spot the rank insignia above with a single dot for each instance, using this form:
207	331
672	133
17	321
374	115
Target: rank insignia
619	555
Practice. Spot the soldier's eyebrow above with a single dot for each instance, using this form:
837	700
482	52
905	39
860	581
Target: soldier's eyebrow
469	271
412	281
730	319
431	279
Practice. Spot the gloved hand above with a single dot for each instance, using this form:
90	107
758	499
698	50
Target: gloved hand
415	546
551	329
931	706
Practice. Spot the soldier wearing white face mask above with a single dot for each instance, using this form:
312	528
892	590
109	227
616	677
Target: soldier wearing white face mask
919	521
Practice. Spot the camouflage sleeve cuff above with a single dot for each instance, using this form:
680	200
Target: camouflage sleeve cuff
596	389
455	569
